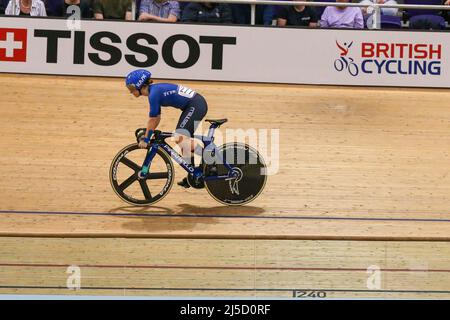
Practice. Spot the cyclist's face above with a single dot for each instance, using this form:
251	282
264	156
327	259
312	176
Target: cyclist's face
134	91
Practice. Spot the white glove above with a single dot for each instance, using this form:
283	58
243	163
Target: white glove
143	143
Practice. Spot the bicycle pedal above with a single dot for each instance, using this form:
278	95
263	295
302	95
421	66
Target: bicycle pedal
195	182
199	183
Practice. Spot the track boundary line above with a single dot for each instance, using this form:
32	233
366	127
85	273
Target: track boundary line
226	289
42	265
194	215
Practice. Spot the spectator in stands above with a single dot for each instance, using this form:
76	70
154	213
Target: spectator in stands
297	16
446	13
136	13
3	5
58	8
207	12
385	11
241	13
83	5
424	18
264	14
342	17
35	8
52	6
159	10
112	9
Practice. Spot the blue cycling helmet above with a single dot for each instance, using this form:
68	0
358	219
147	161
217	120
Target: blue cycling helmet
137	79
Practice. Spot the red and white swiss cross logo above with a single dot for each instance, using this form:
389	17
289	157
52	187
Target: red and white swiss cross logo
13	44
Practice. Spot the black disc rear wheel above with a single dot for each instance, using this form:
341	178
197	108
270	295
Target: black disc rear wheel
124	179
249	169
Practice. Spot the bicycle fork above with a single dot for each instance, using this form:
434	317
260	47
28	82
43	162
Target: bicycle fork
147	161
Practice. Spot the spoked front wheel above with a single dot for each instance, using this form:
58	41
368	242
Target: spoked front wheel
124	179
249	169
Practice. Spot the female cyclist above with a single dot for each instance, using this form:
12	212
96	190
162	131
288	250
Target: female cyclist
192	105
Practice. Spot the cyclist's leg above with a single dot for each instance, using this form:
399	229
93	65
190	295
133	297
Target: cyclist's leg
188	123
189	120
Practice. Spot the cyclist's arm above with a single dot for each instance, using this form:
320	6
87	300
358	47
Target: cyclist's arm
152	124
154	116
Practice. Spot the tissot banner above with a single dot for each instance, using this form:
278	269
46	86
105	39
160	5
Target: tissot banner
227	53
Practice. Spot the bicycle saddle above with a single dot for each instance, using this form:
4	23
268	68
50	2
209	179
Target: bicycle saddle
217	122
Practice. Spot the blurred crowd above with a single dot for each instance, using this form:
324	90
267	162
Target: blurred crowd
207	12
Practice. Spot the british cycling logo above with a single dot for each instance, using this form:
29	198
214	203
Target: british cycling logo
13	44
390	58
345	62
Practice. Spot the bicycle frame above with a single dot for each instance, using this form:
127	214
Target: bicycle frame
208	141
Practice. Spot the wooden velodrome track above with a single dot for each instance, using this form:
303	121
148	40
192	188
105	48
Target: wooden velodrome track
356	165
